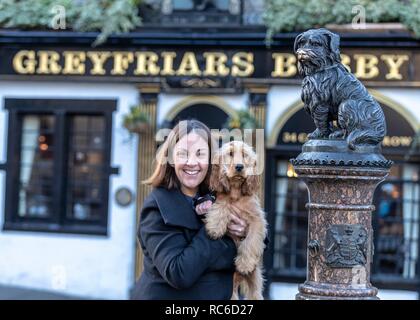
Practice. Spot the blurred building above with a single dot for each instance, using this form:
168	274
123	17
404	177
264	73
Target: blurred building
69	178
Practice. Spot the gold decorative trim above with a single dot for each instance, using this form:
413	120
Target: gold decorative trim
399	108
294	107
201	99
281	121
257	88
149	88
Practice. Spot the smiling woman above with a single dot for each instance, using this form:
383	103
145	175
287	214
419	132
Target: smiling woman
180	260
183	159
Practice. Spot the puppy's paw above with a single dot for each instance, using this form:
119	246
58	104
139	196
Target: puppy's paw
215	232
255	296
235	296
245	265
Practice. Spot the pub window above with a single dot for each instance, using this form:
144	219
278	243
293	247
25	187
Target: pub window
58	165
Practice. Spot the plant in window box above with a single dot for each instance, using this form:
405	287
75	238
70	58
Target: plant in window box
136	121
242	120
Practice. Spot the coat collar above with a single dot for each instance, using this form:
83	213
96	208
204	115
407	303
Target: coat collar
175	209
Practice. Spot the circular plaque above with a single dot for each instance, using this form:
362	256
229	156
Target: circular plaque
123	196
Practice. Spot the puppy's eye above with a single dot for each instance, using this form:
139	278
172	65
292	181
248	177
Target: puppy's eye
231	154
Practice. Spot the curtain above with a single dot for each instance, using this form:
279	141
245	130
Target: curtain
30	134
281	198
411	219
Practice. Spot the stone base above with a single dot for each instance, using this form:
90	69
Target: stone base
300	296
323	291
336	153
341	184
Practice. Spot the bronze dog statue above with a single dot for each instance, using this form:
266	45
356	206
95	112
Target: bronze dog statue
330	92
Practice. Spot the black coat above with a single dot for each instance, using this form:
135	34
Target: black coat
180	260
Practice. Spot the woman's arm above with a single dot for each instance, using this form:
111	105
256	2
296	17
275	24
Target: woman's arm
181	263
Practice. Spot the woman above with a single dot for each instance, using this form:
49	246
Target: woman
180	260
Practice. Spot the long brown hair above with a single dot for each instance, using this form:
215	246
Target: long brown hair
164	173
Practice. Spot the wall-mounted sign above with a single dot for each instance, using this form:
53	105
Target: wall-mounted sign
199	69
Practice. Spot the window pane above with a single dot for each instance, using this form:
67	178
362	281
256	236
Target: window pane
397	215
290	229
85	167
36	166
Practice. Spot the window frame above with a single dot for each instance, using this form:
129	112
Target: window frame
62	110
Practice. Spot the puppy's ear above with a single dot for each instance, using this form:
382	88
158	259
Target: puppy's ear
251	185
334	45
218	180
295	46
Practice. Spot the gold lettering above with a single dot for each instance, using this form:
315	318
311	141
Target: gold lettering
394	62
188	66
284	65
345	60
48	62
397	141
147	63
302	137
168	63
98	59
406	141
216	64
74	62
24	62
121	62
243	64
366	66
294	137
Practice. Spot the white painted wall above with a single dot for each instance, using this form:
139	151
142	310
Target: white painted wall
279	98
90	266
409	98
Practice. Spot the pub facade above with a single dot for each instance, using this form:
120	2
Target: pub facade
70	174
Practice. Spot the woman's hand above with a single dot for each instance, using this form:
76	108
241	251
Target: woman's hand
238	227
203	208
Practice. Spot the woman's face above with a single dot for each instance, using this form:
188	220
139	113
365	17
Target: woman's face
191	162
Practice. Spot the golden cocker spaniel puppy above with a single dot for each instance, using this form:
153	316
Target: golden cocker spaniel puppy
236	183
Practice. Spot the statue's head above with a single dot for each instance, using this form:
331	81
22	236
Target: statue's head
316	49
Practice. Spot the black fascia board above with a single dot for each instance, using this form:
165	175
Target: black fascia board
238	37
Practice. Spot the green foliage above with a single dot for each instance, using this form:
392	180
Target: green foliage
242	120
135	117
297	15
106	16
411	16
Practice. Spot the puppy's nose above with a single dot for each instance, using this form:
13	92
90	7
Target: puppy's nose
239	167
